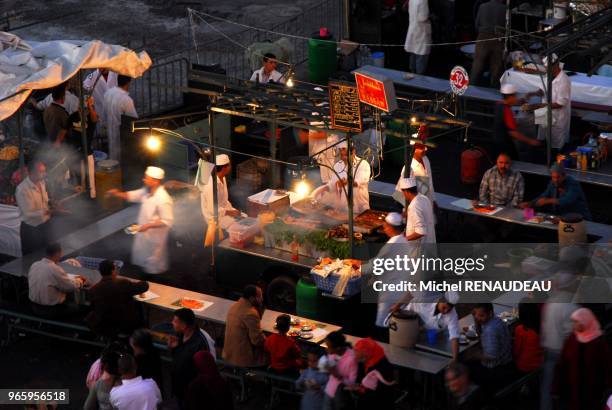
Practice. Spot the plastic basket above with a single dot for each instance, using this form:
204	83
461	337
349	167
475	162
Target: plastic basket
328	284
93	263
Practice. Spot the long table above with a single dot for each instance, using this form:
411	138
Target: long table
595	178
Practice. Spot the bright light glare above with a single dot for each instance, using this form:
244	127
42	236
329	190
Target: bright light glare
289	82
302	188
153	143
413	120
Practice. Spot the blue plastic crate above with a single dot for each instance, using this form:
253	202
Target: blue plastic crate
329	283
93	263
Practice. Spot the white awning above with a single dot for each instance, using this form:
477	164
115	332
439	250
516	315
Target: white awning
31	65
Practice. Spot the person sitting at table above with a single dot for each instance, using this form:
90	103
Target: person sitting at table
134	392
187	341
114	309
147	356
208	390
227	213
563	195
49	284
494	364
465	394
420	223
501	185
375	376
283	351
526	349
341	365
506	130
583	376
244	338
312	381
439	315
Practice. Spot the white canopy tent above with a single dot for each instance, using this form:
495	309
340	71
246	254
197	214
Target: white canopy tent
29	65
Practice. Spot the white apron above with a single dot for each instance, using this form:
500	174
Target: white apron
361	195
418	38
150	248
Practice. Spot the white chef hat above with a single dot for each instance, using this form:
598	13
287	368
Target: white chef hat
342	144
394	219
555	58
155	172
222	159
507	89
407	183
451	297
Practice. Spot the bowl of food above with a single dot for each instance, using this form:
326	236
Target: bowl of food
132	229
305	335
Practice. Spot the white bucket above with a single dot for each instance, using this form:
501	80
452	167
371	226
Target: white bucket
560	11
403	329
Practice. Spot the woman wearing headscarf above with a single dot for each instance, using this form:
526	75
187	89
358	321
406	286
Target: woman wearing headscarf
208	390
584	372
375	376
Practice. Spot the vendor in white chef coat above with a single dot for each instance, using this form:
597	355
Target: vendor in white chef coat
150	249
98	83
440	315
418	37
338	182
420	170
318	141
227	213
420	223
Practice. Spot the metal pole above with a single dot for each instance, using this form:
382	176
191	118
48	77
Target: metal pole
20	128
350	181
211	138
345	11
549	80
275	174
83	126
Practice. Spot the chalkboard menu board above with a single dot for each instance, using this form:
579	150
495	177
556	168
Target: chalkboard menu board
344	107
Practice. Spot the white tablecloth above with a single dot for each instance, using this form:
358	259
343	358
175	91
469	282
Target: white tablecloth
591	90
10	241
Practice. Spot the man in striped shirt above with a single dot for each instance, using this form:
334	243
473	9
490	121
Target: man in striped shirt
501	185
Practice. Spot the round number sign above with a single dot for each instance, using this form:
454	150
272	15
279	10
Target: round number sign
459	80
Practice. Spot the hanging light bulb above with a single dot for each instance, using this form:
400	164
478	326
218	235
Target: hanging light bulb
153	143
289	82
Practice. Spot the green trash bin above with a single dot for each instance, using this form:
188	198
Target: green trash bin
322	58
307	296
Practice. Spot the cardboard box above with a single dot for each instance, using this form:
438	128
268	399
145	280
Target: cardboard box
267	200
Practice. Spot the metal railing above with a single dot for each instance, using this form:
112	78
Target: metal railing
160	88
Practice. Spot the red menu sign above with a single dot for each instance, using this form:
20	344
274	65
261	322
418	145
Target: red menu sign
377	92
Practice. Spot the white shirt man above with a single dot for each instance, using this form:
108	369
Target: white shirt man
420	222
135	394
267	73
71	102
117	102
317	142
418	37
561	95
104	80
361	173
421	172
33	202
227	213
48	283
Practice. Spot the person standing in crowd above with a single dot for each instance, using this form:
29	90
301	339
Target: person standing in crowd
148	362
33	202
501	185
465	394
561	107
526	349
583	376
342	368
420	170
267	73
117	102
97	83
49	284
494	364
420	223
71	102
440	315
312	381
339	180
95	370
150	249
188	341
56	118
506	132
208	390
563	195
114	309
490	23
244	338
283	351
418	37
134	393
555	328
99	393
227	213
375	374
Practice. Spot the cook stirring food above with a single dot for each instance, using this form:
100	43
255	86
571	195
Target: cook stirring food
150	249
227	212
339	181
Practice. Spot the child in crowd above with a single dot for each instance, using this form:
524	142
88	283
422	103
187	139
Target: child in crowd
284	352
313	382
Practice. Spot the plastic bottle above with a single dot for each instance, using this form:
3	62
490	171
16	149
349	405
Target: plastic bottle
585	162
295	250
579	161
